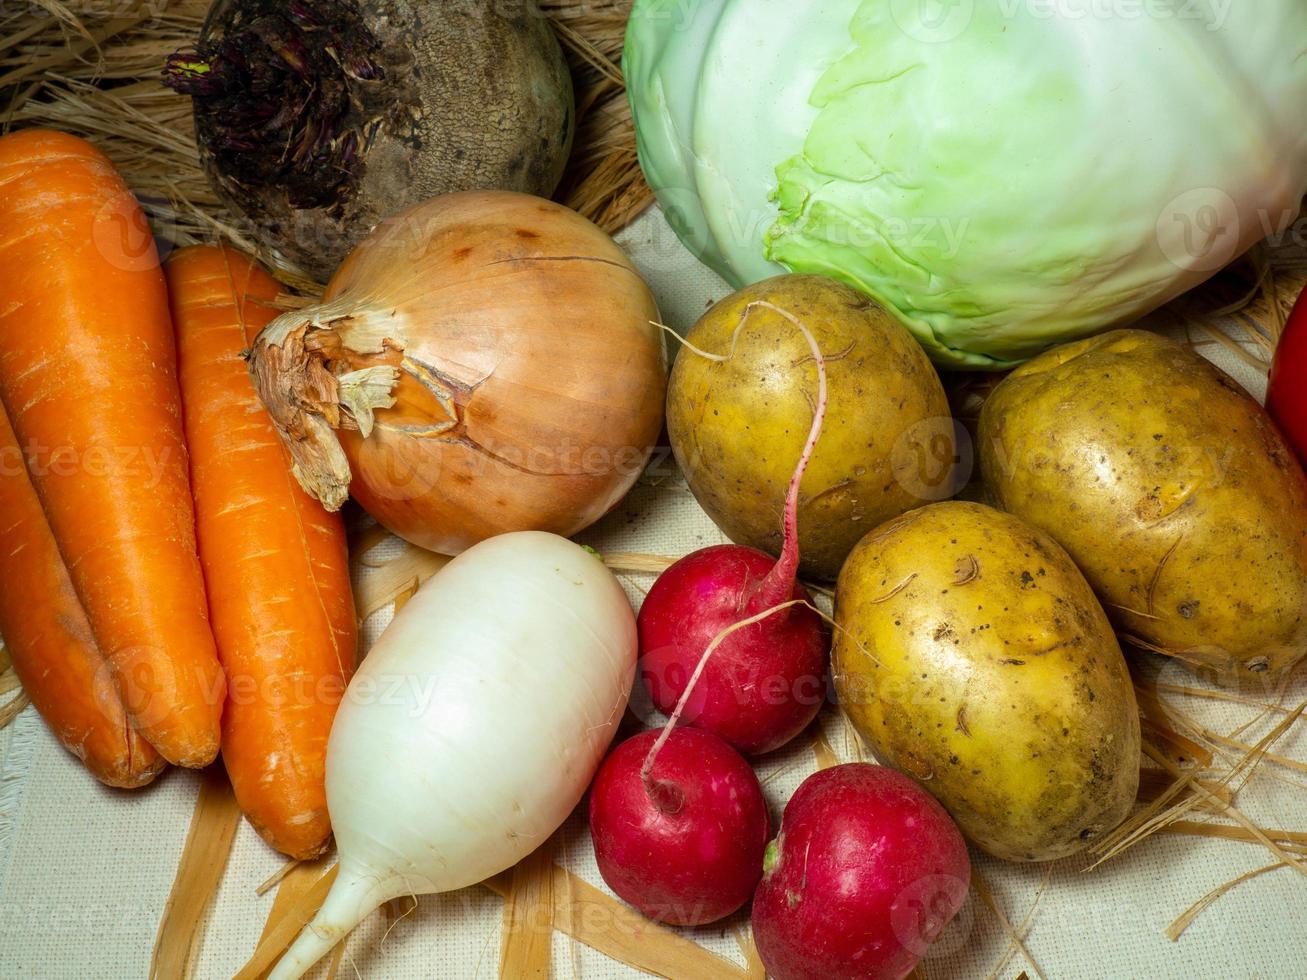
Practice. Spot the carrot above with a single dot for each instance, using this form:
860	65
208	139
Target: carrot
88	378
50	642
276	563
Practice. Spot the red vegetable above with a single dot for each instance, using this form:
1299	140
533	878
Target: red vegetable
867	871
766	681
684	841
1286	398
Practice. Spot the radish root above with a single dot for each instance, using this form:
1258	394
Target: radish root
658	792
779	582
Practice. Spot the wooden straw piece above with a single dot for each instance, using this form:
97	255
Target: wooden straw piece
1279	760
297	880
580	911
625	561
528	932
754	968
1023	928
625	935
13	708
199	873
383	586
823	752
279	934
1155	783
1216	695
1295	840
275	879
1237	815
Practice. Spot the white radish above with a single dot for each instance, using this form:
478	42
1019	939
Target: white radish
473	728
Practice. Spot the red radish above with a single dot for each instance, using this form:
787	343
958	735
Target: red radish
766	682
681	840
866	873
1286	394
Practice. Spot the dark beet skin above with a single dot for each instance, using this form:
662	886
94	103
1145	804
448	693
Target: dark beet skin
695	855
867	871
764	683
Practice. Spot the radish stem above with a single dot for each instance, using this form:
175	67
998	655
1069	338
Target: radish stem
658	792
779	583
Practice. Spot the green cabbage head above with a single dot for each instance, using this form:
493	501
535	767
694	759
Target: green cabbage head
1002	174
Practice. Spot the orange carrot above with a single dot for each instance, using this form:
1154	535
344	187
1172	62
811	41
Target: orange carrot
88	378
50	641
276	563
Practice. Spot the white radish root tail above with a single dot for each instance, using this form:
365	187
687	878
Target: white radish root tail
353	897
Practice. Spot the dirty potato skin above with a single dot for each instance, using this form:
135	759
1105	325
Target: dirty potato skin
1172	490
973	656
738	426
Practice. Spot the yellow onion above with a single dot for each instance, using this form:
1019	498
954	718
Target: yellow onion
482	363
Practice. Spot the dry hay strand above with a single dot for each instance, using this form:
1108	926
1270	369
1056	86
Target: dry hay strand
199	873
1176	929
754	968
527	934
13	708
577	909
1023	928
389	580
1015	938
823	753
93	68
1157	816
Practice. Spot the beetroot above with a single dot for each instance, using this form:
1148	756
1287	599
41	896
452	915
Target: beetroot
683	843
867	871
763	682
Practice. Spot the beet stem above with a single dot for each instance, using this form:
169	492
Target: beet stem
779	583
657	789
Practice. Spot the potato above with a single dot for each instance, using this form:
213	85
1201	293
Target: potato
738	426
1172	490
973	657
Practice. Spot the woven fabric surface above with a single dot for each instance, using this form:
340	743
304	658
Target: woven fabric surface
85	871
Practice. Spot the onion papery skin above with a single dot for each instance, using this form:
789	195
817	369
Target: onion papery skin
489	362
